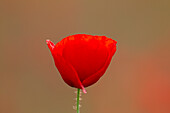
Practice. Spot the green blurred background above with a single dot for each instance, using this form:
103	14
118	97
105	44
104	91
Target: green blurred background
137	80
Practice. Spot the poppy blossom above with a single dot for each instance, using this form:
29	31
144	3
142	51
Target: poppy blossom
82	59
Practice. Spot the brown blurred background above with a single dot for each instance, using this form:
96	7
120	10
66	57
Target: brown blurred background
137	80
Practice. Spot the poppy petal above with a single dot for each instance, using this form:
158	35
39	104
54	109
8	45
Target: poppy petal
85	53
95	77
67	72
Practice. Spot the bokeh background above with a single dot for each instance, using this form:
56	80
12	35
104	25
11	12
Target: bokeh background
137	80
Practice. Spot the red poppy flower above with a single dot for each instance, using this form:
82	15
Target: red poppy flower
82	59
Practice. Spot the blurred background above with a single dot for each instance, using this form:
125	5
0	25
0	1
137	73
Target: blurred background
137	80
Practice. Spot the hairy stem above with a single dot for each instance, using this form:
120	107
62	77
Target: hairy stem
78	96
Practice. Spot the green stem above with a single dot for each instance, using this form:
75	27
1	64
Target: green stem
78	95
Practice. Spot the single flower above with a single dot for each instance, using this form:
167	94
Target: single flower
82	59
